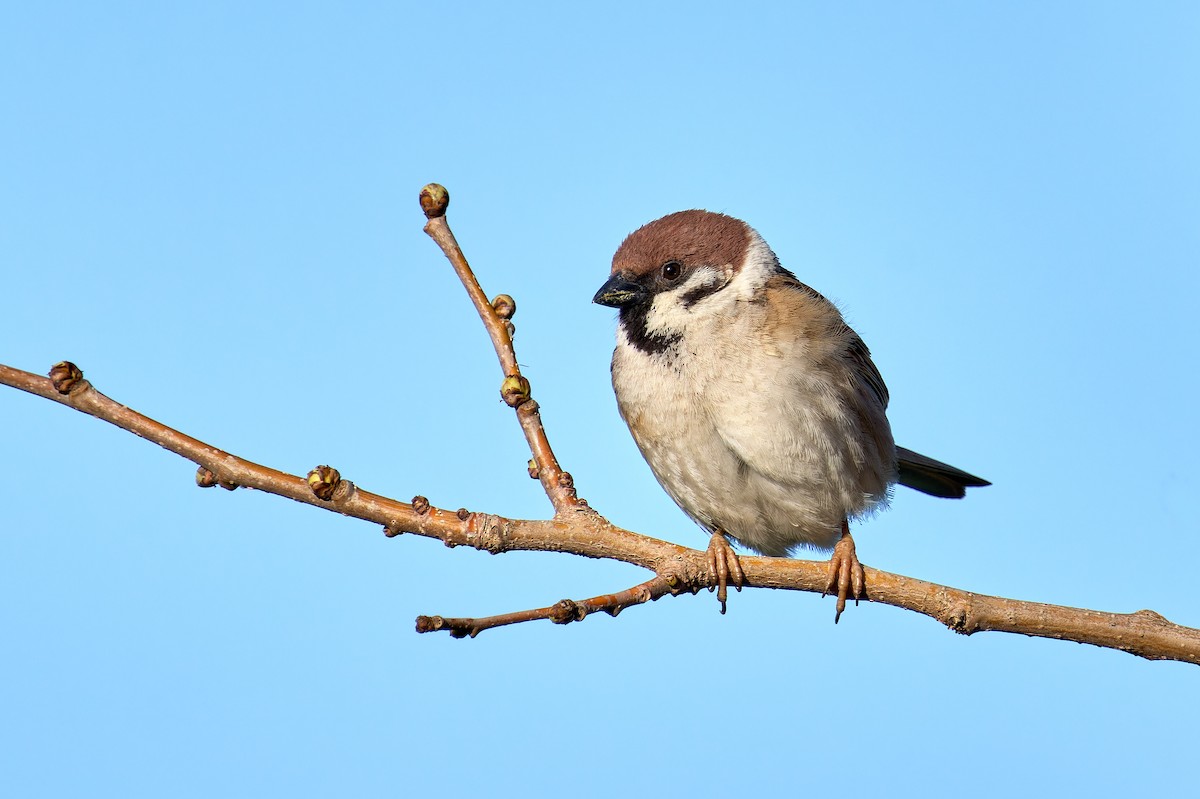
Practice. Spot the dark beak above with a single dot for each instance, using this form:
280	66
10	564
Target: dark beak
618	293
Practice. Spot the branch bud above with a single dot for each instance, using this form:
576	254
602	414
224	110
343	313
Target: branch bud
505	306
514	390
208	479
65	376
428	624
434	200
323	480
566	611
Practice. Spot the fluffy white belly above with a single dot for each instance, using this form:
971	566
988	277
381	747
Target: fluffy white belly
788	484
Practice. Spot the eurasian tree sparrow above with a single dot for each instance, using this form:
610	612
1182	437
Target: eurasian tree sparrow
756	406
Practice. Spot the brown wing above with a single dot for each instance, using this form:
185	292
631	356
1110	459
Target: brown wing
856	351
860	357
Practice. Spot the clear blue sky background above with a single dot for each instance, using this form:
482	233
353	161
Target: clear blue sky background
212	209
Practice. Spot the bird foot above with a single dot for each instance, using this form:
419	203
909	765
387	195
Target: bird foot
846	576
723	564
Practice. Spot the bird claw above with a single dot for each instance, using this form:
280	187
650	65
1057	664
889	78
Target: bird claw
723	564
846	576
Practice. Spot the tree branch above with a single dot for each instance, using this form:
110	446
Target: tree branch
559	485
564	612
578	530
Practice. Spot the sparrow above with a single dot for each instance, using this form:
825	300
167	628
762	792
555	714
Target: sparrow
757	408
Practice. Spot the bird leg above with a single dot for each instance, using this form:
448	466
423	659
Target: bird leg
723	564
846	577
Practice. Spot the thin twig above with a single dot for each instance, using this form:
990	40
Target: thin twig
564	612
558	484
217	467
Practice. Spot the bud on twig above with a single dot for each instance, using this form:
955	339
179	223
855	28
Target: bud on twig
434	200
505	306
323	480
566	611
207	479
65	376
514	390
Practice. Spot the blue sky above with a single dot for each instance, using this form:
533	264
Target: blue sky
212	209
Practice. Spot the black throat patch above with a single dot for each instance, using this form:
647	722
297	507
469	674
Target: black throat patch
633	321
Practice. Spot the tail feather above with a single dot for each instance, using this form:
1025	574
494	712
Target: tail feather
934	477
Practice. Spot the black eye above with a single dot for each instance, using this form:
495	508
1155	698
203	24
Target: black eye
671	270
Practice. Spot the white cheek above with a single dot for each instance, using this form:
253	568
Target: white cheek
668	314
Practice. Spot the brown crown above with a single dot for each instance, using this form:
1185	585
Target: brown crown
690	237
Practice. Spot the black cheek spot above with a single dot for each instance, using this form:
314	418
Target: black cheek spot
694	296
